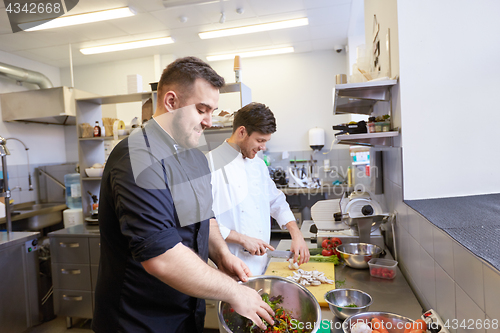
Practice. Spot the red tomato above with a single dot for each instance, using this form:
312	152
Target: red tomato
327	252
326	244
336	241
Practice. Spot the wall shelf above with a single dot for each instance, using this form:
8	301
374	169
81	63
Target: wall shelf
367	139
102	138
360	98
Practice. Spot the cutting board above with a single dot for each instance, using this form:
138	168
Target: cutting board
281	269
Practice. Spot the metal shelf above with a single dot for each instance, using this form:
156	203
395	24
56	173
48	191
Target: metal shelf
102	138
91	178
367	139
360	98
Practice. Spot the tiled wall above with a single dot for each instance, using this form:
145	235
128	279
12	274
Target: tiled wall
443	274
18	177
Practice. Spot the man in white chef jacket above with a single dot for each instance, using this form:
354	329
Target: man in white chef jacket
244	194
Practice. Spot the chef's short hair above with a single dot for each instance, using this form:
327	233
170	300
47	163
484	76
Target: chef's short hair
181	74
255	117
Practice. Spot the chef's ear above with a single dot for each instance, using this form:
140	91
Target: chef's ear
241	131
169	101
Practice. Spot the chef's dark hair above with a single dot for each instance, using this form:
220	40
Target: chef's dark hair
255	117
181	74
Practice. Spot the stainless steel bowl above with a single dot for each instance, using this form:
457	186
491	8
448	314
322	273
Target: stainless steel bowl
297	300
394	323
338	299
357	255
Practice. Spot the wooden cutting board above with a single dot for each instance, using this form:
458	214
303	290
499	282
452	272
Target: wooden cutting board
281	269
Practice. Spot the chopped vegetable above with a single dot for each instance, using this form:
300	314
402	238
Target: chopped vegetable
282	319
321	258
351	306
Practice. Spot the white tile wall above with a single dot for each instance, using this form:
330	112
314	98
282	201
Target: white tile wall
428	278
491	292
445	294
413	224
443	251
469	274
426	235
468	313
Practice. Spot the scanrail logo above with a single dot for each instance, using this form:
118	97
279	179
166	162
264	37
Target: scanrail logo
27	15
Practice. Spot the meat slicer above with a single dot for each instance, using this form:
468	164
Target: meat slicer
354	218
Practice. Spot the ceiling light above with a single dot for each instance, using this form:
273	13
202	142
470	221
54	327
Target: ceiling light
69	20
127	46
251	54
254	28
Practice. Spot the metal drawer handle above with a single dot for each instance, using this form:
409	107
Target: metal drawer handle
71	271
210	305
69	244
72	298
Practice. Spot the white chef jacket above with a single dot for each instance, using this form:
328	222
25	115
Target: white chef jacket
245	197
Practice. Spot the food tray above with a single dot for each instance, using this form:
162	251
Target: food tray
383	268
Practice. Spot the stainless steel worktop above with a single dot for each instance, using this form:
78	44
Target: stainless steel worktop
7	240
79	230
26	210
393	296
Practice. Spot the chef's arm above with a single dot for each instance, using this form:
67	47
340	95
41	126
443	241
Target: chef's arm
183	270
253	245
299	246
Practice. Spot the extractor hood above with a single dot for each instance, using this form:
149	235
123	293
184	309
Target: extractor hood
45	106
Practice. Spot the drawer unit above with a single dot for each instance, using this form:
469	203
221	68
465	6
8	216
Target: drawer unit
95	250
71	276
73	303
72	250
75	254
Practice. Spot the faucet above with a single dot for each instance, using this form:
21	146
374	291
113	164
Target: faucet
28	158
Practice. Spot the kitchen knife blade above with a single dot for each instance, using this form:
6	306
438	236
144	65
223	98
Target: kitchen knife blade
280	254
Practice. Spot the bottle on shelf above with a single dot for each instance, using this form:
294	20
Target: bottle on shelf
97	129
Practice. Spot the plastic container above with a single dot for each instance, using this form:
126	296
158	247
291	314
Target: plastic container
73	191
371	127
383	268
382	126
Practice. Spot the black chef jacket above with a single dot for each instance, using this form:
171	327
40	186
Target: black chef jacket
148	182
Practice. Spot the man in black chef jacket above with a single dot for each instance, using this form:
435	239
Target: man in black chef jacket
154	219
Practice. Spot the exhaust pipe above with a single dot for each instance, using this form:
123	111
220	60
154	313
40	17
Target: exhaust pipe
25	75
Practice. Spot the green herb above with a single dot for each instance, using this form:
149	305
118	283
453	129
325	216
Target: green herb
351	306
320	258
339	283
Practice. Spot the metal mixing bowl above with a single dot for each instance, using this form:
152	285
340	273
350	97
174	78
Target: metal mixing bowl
357	255
297	300
394	323
338	299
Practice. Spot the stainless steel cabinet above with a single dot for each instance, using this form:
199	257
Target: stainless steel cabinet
75	262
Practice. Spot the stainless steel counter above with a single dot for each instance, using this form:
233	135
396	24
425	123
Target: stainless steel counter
16	237
393	296
79	230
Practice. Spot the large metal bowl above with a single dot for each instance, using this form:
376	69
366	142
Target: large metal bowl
297	300
357	255
338	299
394	323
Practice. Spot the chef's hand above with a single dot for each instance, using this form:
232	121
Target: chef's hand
255	246
299	248
248	303
234	267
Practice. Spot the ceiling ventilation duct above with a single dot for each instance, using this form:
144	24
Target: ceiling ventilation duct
46	105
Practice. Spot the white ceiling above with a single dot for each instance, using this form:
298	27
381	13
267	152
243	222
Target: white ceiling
328	26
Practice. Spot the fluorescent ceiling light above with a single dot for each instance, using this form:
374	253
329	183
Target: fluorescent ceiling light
69	20
127	46
254	28
251	54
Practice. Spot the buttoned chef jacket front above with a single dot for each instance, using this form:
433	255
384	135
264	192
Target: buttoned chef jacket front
244	199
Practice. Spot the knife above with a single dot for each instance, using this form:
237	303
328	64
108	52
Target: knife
278	254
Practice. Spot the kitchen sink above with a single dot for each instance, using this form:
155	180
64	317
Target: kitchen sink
34	217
